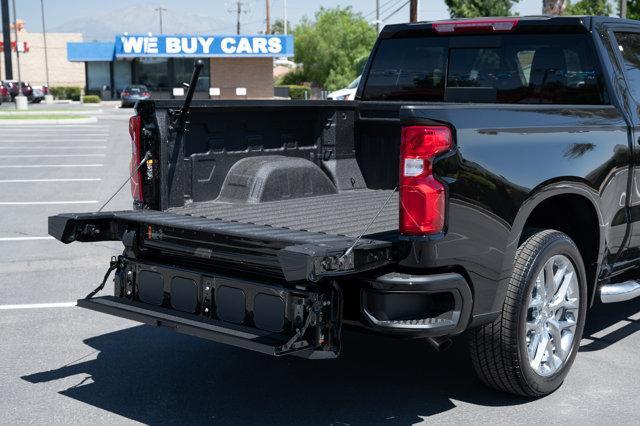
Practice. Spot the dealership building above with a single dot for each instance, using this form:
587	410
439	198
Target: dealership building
236	66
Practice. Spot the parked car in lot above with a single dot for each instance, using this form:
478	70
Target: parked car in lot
4	94
37	95
346	94
481	181
132	94
13	88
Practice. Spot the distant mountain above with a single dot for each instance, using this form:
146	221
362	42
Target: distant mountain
141	19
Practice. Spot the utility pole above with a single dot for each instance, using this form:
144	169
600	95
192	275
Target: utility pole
413	11
623	9
6	36
160	9
44	36
377	16
268	19
239	11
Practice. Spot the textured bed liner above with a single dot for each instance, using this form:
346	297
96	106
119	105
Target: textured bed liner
346	213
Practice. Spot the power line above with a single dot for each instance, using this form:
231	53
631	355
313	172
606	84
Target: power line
391	6
396	11
372	13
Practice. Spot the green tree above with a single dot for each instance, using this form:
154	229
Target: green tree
633	9
588	7
278	27
331	47
477	8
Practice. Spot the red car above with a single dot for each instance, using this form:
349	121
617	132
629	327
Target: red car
4	94
12	87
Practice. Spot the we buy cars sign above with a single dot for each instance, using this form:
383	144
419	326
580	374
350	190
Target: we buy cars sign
136	46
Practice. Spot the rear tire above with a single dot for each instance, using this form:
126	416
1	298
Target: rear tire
530	348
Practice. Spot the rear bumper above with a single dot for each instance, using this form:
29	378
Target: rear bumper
417	305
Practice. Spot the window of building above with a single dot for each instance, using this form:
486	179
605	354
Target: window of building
121	75
153	73
183	68
98	75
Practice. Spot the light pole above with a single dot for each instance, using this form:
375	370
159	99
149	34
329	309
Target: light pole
20	99
160	9
48	99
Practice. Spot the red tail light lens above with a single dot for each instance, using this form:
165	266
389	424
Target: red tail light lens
124	94
136	178
422	197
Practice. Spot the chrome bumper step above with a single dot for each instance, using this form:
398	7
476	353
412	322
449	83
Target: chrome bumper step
620	292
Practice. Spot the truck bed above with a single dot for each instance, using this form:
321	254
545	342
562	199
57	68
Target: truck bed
346	213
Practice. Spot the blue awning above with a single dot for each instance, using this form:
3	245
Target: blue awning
93	51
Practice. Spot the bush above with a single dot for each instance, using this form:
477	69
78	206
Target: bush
91	99
297	91
66	92
295	77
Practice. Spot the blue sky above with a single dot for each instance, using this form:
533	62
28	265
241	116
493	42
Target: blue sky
60	12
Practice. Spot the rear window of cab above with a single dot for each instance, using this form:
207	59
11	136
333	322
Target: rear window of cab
511	68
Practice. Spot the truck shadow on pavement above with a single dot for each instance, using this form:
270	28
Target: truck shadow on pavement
151	375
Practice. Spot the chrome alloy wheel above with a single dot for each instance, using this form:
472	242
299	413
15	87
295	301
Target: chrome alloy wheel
552	314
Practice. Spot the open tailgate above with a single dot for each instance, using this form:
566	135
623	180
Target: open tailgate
290	254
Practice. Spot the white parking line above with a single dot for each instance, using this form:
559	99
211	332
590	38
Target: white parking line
56	147
28	137
38	306
19	166
38	203
68	140
59	126
5	239
50	155
50	180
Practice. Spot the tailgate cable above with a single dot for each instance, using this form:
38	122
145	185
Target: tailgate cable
115	262
147	156
366	228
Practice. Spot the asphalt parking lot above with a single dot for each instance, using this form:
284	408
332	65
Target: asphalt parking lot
60	364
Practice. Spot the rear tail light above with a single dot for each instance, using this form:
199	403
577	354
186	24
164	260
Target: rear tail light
136	175
125	93
422	197
145	93
476	25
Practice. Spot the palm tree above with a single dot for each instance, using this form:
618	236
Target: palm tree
553	7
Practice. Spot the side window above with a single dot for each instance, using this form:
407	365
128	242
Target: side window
629	45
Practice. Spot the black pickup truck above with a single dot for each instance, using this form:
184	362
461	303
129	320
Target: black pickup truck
484	180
